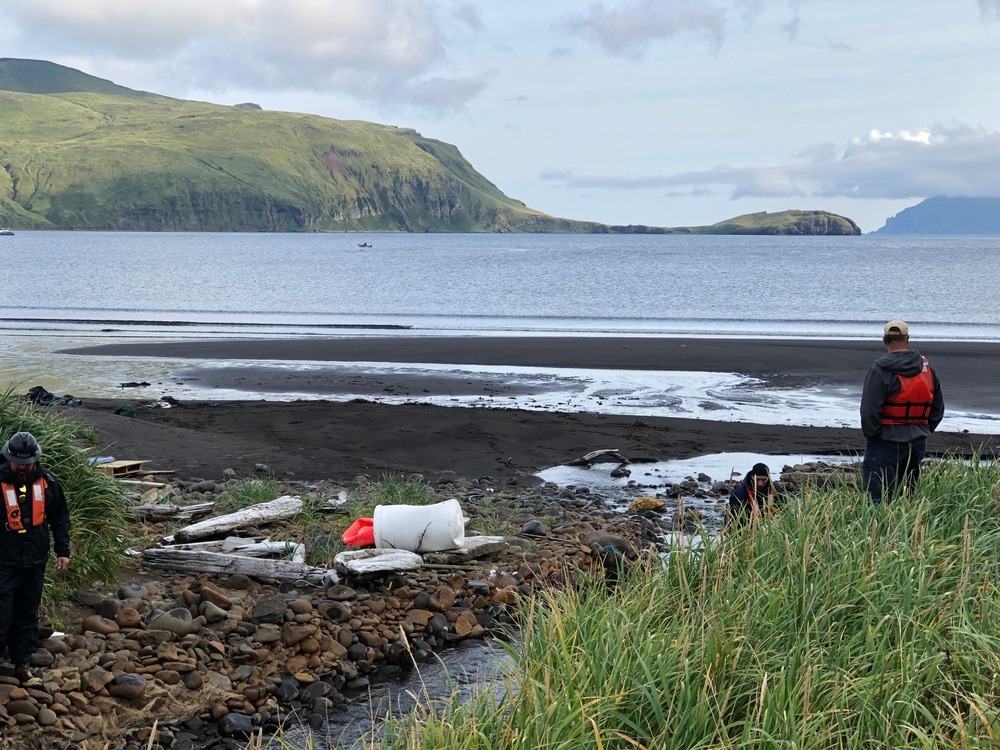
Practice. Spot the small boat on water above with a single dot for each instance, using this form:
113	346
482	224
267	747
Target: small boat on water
5	231
363	244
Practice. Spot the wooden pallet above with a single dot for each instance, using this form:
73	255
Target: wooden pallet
122	468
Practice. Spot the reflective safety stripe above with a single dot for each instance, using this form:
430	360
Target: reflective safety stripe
13	507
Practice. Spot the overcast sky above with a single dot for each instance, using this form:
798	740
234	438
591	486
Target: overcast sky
660	112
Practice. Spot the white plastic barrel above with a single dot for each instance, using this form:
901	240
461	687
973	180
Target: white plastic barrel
419	528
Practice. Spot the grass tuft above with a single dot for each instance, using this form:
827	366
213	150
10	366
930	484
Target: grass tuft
836	625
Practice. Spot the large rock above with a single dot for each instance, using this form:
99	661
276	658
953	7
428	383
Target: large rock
128	686
269	609
178	621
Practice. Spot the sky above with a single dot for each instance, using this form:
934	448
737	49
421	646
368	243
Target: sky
656	112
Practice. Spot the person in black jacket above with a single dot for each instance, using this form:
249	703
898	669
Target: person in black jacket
34	506
756	497
901	405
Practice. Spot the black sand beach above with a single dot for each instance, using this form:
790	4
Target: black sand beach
322	439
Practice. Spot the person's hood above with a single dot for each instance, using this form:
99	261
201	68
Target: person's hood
758	470
906	363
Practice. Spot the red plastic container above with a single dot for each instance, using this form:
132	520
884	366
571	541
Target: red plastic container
360	534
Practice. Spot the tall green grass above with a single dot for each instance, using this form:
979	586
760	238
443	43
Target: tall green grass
836	625
99	534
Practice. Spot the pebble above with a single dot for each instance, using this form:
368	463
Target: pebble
265	647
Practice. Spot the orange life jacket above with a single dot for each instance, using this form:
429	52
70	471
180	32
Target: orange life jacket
912	405
768	501
12	502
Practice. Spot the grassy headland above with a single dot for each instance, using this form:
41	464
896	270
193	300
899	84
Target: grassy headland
80	152
837	625
81	155
781	222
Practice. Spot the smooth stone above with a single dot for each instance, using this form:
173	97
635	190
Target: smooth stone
133	591
99	624
129	686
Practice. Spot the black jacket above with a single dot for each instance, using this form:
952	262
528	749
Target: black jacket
31	548
739	500
881	382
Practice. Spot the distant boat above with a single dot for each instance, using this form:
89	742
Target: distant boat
360	244
5	231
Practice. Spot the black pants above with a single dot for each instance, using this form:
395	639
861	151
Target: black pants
20	596
889	467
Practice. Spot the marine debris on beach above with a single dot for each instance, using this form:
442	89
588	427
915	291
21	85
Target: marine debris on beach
234	618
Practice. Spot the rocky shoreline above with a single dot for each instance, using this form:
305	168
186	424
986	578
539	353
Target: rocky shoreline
214	659
179	660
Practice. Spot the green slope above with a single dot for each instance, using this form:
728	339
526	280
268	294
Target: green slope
90	159
792	222
43	77
80	152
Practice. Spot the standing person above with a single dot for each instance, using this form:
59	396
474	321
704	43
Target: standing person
901	405
34	504
753	498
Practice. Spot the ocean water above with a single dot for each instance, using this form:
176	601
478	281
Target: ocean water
141	285
68	289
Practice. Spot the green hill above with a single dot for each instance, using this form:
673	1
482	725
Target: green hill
78	152
42	77
783	222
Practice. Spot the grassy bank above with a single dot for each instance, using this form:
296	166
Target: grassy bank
837	625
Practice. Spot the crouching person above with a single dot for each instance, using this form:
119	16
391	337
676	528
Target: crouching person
34	507
754	498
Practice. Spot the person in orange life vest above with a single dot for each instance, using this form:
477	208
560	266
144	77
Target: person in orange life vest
901	405
34	506
755	497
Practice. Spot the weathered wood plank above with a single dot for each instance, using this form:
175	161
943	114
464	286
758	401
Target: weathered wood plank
168	511
202	561
264	548
285	506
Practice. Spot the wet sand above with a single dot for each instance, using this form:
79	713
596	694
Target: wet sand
316	439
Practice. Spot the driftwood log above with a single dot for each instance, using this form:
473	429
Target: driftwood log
605	454
248	547
285	506
168	511
202	561
367	563
264	548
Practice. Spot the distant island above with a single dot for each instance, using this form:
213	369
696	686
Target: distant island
81	152
942	215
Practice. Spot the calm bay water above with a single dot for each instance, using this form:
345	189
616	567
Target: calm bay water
174	285
71	289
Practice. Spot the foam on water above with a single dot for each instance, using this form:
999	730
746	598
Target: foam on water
722	397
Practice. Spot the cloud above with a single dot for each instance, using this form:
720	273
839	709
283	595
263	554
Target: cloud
371	49
629	30
468	14
835	46
954	160
628	27
990	8
439	95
